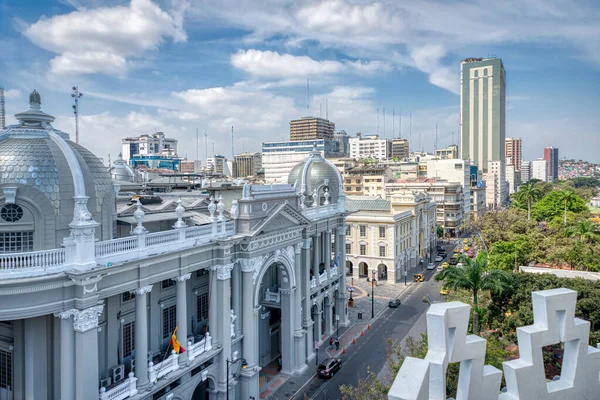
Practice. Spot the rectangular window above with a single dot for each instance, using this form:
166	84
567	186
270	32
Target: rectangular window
201	272
381	251
348	248
127	296
363	231
128	339
167	283
348	188
382	231
363	249
16	242
5	370
169	320
348	230
202	307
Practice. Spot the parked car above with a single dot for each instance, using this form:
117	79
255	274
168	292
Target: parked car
394	303
470	254
453	261
329	367
439	258
430	266
444	265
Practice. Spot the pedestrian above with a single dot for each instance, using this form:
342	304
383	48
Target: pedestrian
337	344
331	343
279	364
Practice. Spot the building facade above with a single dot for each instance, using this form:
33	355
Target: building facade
400	149
370	147
311	128
496	186
85	315
551	157
450	152
279	158
525	171
513	177
482	110
217	165
539	170
512	150
156	161
247	164
144	145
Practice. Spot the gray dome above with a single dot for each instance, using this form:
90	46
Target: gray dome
120	171
41	162
317	173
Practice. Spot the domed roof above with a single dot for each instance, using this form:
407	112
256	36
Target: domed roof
317	174
120	171
36	155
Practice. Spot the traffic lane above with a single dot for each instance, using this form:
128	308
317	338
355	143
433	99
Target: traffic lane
371	350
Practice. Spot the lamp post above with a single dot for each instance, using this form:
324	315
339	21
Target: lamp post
337	320
244	365
352	288
373	294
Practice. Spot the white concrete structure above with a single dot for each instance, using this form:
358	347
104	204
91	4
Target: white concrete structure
513	177
496	193
456	171
155	143
370	147
525	171
539	170
448	342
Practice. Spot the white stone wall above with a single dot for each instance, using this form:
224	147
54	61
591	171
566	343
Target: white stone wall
554	322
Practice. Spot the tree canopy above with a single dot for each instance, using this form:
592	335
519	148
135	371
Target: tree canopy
552	205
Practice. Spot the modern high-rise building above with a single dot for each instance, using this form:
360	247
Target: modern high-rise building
311	128
551	157
247	164
525	171
400	148
482	110
512	150
343	142
370	147
154	144
539	170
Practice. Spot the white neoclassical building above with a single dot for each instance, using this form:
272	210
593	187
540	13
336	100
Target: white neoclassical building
85	314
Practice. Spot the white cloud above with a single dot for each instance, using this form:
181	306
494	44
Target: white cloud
101	40
271	64
12	93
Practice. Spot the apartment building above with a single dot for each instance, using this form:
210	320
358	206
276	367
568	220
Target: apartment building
311	128
370	147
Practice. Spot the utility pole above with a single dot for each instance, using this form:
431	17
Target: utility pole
2	109
76	95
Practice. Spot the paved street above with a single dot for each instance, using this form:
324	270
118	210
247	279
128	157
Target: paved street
369	350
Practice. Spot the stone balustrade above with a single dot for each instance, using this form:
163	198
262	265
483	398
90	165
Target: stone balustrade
273	297
333	271
313	283
322	211
200	347
323	277
123	390
107	252
157	371
448	342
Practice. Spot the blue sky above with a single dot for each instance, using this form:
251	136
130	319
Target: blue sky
178	66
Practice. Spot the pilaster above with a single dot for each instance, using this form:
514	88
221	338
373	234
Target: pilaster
67	355
341	307
182	314
223	320
86	352
141	336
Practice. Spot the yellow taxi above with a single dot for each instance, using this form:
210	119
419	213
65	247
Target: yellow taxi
456	250
444	265
466	248
443	291
465	241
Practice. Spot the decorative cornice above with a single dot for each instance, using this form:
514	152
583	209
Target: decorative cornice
251	264
183	277
142	290
223	271
34	289
306	243
85	320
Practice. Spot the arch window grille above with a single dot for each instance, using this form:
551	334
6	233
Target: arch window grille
11	213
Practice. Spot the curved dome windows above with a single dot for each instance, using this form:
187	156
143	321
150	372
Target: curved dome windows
11	213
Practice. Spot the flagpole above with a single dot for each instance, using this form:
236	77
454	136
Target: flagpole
167	352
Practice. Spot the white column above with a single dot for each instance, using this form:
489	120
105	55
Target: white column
307	322
318	326
316	257
213	315
67	355
224	319
236	297
249	376
182	314
341	307
301	285
287	332
328	318
141	335
86	352
327	248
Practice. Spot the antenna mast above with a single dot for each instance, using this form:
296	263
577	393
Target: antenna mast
384	122
378	120
206	147
400	132
2	110
232	150
393	121
436	136
76	95
308	96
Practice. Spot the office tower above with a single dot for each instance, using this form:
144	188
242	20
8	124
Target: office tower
551	157
539	170
247	164
512	147
399	148
311	128
370	147
482	110
525	171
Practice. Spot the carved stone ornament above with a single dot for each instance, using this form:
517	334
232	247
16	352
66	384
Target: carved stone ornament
139	217
142	290
326	195
298	247
315	197
81	213
212	208
235	210
251	264
223	271
290	253
85	320
183	277
221	209
179	210
65	314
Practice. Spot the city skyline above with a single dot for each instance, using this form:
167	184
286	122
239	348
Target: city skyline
200	65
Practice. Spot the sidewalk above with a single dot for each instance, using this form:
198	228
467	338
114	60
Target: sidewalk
349	336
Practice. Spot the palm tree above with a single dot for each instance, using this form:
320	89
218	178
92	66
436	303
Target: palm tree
567	197
474	276
528	193
587	231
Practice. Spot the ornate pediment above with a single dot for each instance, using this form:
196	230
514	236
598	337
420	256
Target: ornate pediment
280	218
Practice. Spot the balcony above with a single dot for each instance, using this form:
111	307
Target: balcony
165	367
313	283
272	297
198	348
323	211
333	271
107	252
121	391
323	277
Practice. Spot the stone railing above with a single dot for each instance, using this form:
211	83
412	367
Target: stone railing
107	252
333	271
121	391
448	342
273	297
313	283
157	371
34	261
323	211
198	348
323	277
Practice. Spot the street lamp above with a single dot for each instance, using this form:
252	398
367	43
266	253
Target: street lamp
244	365
373	294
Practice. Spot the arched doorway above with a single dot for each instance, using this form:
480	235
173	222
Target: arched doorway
203	390
317	327
363	269
382	271
349	267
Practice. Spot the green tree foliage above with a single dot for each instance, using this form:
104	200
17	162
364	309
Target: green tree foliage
586	182
558	203
528	194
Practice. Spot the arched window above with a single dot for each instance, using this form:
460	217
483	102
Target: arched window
485	72
476	73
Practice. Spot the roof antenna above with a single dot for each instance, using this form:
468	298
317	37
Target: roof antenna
378	120
400	132
308	96
393	121
435	143
232	142
384	123
326	110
